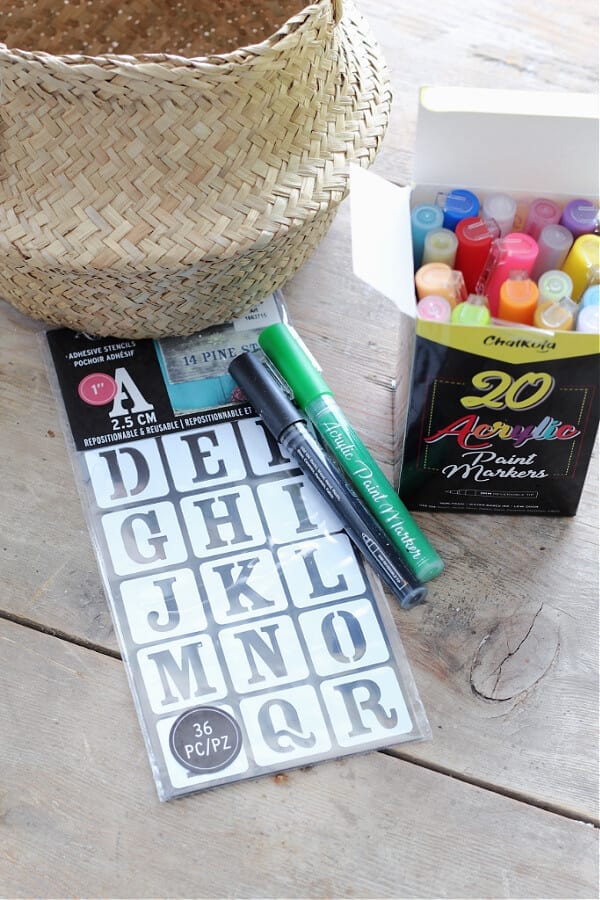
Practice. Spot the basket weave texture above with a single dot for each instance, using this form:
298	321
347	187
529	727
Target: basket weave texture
152	195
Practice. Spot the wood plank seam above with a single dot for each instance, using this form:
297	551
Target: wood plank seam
61	635
518	796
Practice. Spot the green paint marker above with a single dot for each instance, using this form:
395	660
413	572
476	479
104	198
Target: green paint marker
473	311
292	360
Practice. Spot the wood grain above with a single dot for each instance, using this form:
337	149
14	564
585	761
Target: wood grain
490	44
79	815
504	652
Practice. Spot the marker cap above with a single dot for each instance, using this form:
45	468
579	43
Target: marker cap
541	212
431	278
554	285
502	209
591	296
515	251
554	243
518	299
474	311
434	309
588	320
457	204
580	217
423	219
262	391
440	279
440	246
287	353
558	315
474	236
583	263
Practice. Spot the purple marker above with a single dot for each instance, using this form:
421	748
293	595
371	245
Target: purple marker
580	217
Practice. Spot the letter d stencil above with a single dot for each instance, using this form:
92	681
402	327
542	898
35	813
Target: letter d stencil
126	473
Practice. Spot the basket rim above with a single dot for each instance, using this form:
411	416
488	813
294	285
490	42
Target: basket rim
328	166
149	62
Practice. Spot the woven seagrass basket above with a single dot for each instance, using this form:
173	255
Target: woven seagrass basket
156	193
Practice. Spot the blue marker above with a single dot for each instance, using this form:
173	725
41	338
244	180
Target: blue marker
423	219
591	296
456	205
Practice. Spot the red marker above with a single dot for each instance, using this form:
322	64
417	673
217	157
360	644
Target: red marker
475	238
515	252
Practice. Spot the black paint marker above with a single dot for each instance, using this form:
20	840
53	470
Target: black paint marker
287	424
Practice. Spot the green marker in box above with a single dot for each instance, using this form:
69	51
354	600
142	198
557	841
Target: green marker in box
286	352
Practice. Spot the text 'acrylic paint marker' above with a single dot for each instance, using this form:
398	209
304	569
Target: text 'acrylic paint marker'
287	353
288	426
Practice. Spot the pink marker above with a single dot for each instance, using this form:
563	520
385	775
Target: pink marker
541	212
514	252
434	309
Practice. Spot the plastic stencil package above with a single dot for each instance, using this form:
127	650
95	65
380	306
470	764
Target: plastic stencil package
254	637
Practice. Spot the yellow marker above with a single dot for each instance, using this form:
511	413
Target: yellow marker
440	246
583	263
557	315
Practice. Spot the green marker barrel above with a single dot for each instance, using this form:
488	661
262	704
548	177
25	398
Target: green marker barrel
313	395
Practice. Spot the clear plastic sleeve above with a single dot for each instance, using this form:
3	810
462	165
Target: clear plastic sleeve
255	639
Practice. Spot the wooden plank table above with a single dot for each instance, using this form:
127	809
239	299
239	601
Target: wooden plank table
503	801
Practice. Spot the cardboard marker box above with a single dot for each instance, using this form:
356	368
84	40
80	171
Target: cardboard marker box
500	419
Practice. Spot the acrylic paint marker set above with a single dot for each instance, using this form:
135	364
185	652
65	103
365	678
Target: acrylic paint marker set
478	262
503	406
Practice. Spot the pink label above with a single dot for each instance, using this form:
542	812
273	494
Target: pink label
97	389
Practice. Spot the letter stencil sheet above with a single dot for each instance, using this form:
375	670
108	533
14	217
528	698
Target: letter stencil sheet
254	638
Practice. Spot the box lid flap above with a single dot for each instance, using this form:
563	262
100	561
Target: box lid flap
381	244
534	142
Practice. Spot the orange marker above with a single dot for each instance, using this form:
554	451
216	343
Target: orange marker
518	299
439	279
